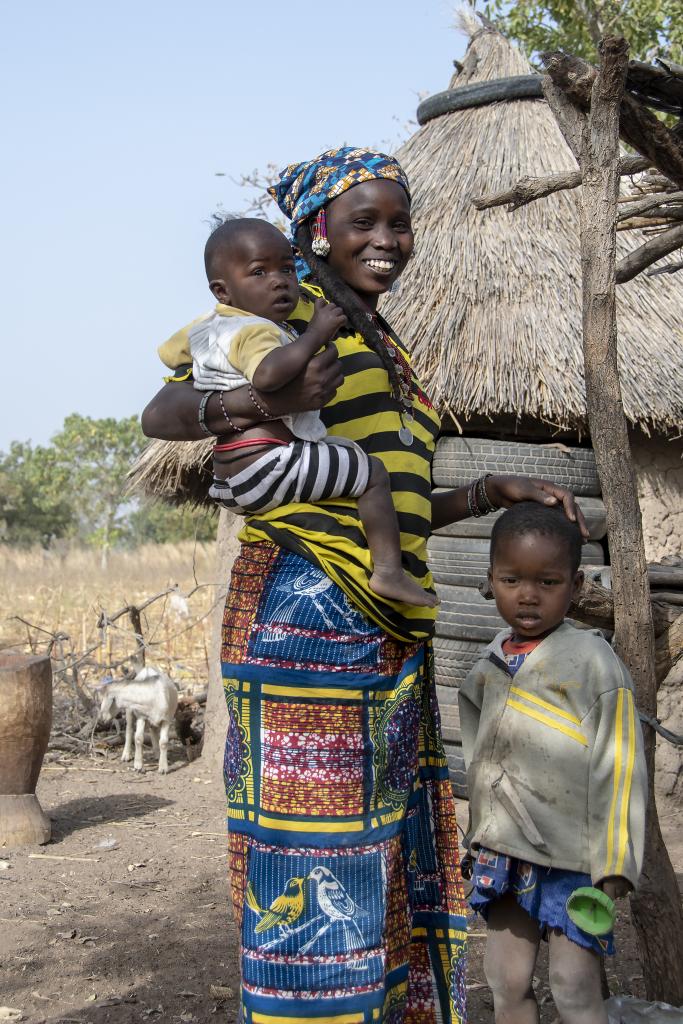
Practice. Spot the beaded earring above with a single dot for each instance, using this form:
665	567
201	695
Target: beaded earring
319	242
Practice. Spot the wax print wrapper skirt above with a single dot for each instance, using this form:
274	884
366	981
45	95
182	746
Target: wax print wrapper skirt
343	848
541	891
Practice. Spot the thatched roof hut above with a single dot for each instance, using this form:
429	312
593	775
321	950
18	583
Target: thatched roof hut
491	305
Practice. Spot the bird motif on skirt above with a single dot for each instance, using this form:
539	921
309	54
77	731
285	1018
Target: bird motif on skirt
285	909
337	906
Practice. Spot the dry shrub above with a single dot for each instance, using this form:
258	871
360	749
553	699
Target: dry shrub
66	590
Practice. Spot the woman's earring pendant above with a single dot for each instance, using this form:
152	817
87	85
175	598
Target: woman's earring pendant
319	242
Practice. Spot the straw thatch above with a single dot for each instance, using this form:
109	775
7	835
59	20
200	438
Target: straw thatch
176	471
491	305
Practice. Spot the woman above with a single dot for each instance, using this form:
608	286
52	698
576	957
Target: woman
343	843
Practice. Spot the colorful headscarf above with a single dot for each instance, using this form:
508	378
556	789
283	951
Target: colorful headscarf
305	188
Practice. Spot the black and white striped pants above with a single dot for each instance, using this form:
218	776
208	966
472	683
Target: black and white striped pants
303	471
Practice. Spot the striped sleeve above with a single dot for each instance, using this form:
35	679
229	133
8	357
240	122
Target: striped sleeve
617	793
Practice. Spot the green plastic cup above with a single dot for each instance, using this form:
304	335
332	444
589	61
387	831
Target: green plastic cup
591	910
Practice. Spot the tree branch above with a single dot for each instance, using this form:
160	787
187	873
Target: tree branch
648	253
638	126
528	189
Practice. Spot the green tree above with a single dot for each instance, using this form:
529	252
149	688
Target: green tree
31	512
654	28
156	522
92	459
76	487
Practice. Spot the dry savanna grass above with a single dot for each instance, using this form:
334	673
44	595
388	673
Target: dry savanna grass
67	592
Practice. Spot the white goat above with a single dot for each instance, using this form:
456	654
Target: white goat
149	697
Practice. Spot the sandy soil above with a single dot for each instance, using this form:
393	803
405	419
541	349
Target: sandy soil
130	921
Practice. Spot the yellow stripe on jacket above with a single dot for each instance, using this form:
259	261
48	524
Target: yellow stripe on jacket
624	759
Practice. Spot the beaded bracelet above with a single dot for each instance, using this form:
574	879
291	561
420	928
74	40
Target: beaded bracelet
482	495
264	412
472	504
201	415
233	427
478	502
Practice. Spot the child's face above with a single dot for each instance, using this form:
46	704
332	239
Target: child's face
533	583
258	275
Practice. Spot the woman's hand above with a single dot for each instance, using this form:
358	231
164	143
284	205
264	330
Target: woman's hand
507	490
312	389
173	413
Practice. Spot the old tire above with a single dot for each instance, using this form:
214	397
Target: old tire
464	561
465	615
593	510
456	769
500	90
453	659
458	460
447	697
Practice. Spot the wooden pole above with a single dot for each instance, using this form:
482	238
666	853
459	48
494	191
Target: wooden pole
656	906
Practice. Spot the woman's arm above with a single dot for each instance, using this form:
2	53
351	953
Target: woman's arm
451	506
173	413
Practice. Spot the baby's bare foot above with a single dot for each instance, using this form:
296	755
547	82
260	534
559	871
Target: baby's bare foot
399	587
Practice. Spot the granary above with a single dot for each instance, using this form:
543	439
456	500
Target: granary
491	305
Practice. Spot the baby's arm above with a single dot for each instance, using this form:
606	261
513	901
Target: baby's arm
282	364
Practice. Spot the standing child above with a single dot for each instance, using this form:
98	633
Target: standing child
556	773
251	271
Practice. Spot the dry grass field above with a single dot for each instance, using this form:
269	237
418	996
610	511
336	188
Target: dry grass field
66	593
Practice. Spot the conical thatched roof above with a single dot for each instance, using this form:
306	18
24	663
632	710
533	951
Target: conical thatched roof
491	305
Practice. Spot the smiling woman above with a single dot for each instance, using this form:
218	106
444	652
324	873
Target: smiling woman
343	844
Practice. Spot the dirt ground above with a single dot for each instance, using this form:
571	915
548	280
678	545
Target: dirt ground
124	916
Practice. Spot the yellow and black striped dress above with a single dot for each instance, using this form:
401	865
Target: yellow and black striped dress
331	534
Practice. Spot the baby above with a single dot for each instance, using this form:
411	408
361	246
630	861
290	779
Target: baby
251	271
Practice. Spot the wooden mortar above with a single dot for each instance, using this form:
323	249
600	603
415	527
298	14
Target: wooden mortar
25	722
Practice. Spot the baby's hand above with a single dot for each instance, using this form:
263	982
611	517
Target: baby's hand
327	319
615	887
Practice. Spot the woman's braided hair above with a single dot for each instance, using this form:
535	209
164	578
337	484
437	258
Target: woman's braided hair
337	291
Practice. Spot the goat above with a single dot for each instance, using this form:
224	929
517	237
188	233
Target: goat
149	697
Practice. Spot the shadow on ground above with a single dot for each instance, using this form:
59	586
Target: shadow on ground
88	812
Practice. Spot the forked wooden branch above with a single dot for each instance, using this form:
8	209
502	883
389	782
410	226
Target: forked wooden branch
638	126
528	188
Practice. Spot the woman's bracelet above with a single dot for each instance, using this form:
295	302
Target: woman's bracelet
266	413
201	415
478	502
483	496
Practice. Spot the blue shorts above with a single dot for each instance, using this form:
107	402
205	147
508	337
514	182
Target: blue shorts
541	891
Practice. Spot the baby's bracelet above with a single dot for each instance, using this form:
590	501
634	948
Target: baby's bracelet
264	412
233	427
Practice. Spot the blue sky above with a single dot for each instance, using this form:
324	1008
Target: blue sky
116	118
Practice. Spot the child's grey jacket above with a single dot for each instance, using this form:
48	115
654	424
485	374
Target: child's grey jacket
556	771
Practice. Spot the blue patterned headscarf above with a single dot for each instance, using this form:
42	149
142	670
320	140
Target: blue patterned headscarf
304	188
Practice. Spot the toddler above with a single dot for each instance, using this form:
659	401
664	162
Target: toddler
251	271
555	770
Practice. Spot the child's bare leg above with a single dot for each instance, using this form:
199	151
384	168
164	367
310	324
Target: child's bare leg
512	941
575	982
378	516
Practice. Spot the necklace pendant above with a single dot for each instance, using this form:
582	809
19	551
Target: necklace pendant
405	436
